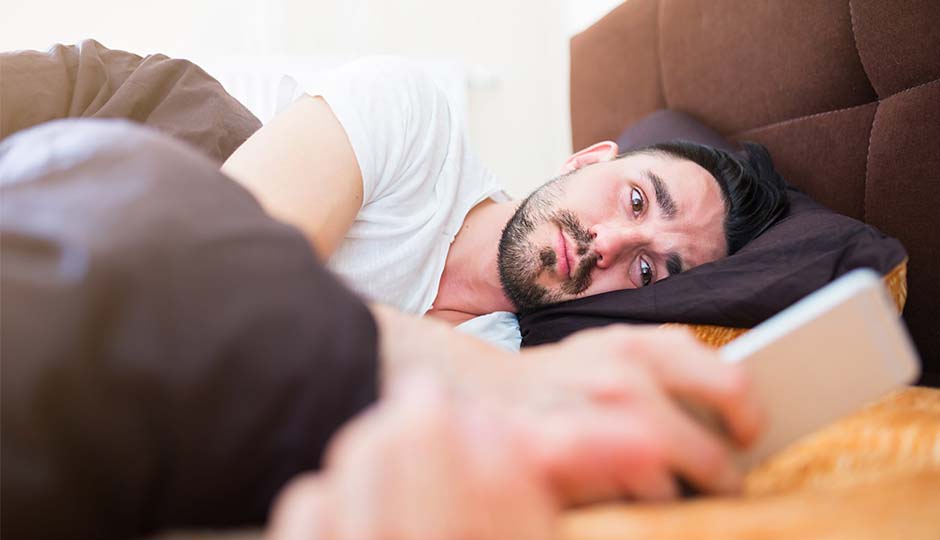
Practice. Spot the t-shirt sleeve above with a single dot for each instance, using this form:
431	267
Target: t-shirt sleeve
397	118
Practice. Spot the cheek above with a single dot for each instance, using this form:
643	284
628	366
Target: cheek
705	243
612	279
592	203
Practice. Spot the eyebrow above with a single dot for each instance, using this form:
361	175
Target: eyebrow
674	263
665	201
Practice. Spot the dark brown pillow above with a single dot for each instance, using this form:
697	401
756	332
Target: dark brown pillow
805	250
666	125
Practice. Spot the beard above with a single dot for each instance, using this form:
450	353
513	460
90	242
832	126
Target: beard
521	261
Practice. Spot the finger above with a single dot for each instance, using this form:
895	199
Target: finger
694	452
358	482
506	497
405	482
653	484
590	454
690	371
427	466
457	475
302	510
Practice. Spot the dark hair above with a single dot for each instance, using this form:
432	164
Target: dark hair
754	193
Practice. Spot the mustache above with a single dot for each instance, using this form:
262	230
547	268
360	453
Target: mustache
581	278
572	225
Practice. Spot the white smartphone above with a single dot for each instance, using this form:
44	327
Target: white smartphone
826	356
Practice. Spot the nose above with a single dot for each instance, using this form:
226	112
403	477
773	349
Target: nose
615	242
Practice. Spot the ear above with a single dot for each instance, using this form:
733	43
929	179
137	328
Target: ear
602	151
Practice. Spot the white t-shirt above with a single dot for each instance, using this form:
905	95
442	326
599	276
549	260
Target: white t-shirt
419	178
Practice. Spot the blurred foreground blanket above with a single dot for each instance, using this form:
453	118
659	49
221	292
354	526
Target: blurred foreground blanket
89	80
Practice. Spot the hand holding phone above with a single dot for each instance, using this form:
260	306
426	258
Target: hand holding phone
829	354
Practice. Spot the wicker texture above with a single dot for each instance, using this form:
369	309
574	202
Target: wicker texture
897	435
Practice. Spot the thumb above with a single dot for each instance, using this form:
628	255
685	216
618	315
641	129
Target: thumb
302	510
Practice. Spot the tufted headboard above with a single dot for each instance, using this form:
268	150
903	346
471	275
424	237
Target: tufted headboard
846	95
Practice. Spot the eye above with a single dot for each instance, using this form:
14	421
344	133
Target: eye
636	202
646	273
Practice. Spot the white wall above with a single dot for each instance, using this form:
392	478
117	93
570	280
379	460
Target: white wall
518	50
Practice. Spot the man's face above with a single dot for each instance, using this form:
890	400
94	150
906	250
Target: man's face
611	225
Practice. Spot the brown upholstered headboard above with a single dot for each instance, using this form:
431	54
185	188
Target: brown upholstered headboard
846	95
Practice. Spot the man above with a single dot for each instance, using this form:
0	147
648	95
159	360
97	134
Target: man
373	165
172	356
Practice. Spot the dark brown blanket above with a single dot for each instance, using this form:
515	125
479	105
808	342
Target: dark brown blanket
89	80
171	354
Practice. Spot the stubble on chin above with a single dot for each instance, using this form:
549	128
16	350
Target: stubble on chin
582	277
547	257
522	262
530	261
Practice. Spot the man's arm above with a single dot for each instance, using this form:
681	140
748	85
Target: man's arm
302	168
316	164
429	462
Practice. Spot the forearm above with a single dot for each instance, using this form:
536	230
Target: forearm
409	343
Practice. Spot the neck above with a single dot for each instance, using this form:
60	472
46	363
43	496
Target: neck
470	284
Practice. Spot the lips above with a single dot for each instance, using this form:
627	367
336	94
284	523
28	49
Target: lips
564	262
